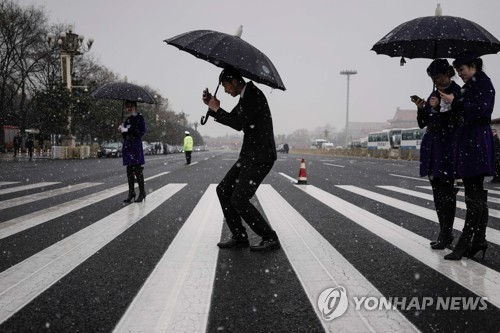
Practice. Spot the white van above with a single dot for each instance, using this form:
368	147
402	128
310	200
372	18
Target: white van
327	145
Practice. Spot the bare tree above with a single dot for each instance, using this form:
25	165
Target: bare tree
22	34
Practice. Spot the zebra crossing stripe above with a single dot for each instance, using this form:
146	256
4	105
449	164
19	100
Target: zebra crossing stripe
335	165
26	187
429	214
21	283
464	273
490	191
460	204
176	296
408	177
462	194
24	222
319	266
44	195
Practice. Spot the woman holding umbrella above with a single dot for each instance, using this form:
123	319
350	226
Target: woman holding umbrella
475	151
132	131
436	159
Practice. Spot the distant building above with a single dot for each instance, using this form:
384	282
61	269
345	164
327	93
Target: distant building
403	119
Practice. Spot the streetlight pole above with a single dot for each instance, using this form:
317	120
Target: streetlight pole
70	44
348	73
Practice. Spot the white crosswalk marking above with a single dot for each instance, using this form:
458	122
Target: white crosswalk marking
335	165
26	187
176	296
21	283
44	195
429	214
416	246
460	204
319	266
462	194
24	222
423	179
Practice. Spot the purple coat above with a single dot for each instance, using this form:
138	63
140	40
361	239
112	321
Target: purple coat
132	152
438	143
475	147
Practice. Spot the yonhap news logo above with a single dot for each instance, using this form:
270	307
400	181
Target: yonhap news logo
333	303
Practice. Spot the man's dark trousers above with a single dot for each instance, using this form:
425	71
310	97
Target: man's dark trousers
235	191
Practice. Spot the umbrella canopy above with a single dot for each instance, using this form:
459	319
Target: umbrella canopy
434	37
123	91
222	50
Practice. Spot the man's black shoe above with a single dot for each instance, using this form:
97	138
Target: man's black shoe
266	245
234	243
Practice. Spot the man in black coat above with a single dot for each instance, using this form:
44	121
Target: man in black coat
258	153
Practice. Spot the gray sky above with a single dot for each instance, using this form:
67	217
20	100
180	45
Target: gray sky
309	42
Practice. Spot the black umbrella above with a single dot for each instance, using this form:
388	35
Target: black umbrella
225	50
123	91
434	37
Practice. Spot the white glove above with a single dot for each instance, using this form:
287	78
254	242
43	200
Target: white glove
122	129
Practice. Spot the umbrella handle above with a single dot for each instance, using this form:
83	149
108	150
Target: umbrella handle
204	119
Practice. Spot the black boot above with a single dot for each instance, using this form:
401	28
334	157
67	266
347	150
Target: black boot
130	179
448	197
479	242
140	181
475	207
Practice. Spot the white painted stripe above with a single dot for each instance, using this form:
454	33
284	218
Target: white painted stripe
176	296
335	165
44	195
462	194
320	266
414	178
193	163
465	272
7	183
26	187
293	180
21	283
460	204
429	214
24	222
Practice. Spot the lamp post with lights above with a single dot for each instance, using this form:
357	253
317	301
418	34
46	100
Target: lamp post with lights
70	45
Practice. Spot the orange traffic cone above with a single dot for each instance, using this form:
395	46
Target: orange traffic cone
302	173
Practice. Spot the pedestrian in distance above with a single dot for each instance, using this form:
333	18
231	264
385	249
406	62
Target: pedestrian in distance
30	145
475	156
496	141
132	129
17	143
188	146
437	146
258	153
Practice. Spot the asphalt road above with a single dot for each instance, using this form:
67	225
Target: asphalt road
75	258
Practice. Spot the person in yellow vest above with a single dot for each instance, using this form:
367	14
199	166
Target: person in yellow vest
188	146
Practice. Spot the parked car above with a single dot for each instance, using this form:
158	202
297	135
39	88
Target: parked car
110	149
146	147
